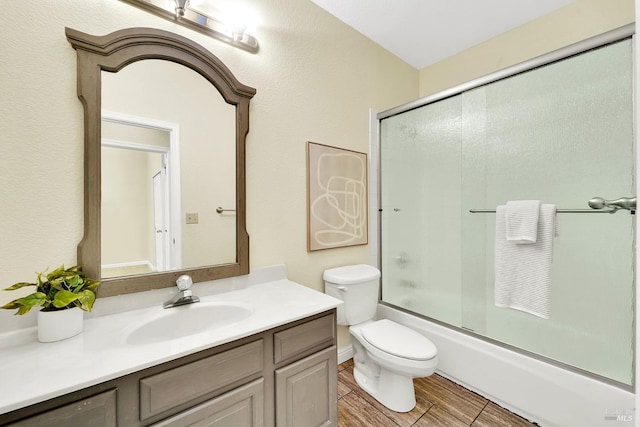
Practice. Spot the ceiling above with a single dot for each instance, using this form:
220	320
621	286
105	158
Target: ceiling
423	32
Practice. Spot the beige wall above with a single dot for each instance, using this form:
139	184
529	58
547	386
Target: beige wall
577	21
315	78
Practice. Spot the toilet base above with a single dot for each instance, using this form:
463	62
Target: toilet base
386	377
396	393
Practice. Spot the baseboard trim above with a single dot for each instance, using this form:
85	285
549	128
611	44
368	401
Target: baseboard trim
345	353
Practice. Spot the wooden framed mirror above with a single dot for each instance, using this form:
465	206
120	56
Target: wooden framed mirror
98	56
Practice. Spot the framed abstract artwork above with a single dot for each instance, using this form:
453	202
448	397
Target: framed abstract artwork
336	197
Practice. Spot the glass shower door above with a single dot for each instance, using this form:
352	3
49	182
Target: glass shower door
561	133
422	211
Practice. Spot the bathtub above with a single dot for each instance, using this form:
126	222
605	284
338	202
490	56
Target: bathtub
538	391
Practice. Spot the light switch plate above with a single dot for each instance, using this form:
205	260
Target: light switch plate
192	218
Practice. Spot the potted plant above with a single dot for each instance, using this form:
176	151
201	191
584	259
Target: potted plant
63	294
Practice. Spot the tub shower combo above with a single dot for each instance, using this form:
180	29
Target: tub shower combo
556	131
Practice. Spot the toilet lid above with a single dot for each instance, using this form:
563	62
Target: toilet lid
399	340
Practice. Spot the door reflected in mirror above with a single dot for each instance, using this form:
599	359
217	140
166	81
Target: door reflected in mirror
168	161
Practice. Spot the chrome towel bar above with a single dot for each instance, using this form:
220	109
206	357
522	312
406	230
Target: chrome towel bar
597	205
220	210
609	211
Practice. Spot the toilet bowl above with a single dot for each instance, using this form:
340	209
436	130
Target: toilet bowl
387	355
381	371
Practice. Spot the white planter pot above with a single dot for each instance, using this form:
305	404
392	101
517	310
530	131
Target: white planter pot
59	325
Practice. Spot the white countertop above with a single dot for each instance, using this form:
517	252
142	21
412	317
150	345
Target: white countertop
100	353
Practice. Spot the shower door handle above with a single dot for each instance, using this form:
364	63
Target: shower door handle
628	203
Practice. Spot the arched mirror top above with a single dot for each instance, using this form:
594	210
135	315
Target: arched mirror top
114	51
111	53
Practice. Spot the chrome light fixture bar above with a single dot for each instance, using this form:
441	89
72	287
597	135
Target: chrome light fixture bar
181	12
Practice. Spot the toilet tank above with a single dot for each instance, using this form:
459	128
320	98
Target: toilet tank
357	286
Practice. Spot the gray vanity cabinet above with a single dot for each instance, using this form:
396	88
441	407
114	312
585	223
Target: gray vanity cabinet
286	376
306	389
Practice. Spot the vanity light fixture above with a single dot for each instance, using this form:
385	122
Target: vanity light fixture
180	6
181	11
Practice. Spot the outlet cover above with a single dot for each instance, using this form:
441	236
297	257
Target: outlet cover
192	218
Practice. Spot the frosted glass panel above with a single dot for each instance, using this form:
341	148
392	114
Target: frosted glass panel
561	134
577	115
421	243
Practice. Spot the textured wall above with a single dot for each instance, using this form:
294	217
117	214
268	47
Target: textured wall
315	77
577	21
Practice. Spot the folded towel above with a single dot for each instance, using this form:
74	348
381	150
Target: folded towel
523	272
522	221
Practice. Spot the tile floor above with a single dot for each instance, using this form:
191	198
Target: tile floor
440	403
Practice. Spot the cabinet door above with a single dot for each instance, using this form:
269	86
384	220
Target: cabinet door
307	391
241	407
94	411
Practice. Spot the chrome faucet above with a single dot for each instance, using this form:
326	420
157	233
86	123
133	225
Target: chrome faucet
184	295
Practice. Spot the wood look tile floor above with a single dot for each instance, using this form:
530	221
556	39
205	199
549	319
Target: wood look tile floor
439	403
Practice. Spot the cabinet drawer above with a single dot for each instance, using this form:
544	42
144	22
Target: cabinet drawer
98	410
243	406
161	392
300	340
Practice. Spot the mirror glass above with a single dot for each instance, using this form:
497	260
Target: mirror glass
168	122
168	161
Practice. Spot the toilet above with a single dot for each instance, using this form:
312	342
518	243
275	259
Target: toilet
387	355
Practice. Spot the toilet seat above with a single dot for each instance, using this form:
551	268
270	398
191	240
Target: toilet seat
398	340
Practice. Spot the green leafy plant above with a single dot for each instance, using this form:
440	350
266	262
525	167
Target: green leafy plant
60	289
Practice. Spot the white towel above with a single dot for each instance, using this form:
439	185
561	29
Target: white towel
521	220
523	272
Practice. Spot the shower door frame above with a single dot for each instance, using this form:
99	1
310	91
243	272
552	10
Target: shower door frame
601	40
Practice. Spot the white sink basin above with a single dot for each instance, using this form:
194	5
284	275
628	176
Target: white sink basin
178	322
